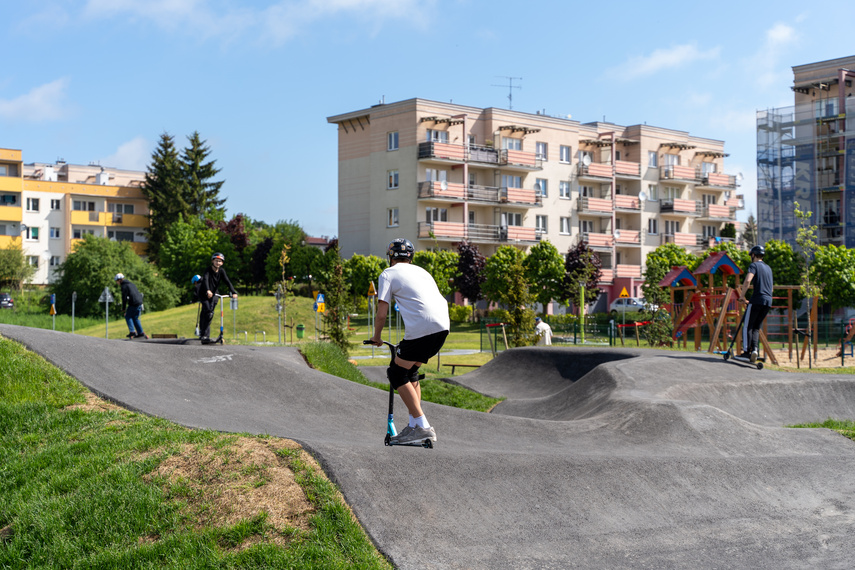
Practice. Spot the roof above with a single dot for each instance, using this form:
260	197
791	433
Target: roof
679	275
718	261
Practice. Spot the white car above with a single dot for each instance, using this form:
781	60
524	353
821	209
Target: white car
631	305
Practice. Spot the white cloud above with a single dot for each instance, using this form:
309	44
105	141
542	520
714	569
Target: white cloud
663	59
43	103
132	155
764	66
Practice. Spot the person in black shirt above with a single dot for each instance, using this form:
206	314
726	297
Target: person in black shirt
759	275
132	301
211	280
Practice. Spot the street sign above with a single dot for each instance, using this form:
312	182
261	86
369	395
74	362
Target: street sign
371	291
106	296
320	298
321	307
624	294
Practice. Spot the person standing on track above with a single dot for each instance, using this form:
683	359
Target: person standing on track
426	324
210	285
132	301
543	332
759	275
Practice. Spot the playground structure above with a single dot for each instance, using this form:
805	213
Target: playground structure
717	308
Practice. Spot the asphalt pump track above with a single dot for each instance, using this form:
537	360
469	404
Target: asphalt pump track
598	458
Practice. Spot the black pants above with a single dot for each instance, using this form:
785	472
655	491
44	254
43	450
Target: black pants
206	316
754	318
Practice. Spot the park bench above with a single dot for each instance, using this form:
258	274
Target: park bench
164	335
453	366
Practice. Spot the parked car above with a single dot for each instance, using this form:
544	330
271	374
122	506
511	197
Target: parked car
6	301
631	305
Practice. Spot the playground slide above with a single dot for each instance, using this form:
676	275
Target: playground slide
688	322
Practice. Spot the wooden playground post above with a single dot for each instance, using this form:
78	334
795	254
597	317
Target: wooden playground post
722	316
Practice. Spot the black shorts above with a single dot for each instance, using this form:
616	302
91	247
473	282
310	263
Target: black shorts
423	348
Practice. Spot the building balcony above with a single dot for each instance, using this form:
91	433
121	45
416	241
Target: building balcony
127	220
597	241
718	213
607	276
442	151
628	237
737	202
712	241
628	271
523	196
624	169
680	238
520	160
680	207
715	180
511	159
484	233
81	218
7	241
679	173
594	171
475	193
11	184
595	206
442	190
627	202
483	154
11	213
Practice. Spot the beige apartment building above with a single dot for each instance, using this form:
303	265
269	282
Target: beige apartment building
45	208
438	173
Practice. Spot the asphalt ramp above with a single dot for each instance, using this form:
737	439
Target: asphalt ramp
597	458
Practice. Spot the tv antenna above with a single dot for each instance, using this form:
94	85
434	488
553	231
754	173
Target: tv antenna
511	88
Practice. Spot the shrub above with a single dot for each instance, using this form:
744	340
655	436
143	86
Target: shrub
459	313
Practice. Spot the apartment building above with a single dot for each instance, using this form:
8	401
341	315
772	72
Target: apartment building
46	208
806	154
438	173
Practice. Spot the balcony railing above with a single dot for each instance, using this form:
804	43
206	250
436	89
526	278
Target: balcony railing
607	275
594	170
718	212
628	271
680	238
718	180
436	190
487	155
624	168
677	172
597	240
520	196
628	237
627	202
680	206
712	241
445	151
477	232
492	194
595	206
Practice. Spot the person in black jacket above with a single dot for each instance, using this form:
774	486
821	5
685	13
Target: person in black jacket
132	301
759	276
211	280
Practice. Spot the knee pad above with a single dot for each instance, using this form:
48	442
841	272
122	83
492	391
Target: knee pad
397	375
413	374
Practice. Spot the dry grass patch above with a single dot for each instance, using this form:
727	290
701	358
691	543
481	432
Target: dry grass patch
239	481
95	404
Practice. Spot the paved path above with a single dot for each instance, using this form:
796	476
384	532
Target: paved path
598	458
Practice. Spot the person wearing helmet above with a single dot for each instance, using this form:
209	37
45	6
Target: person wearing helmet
132	301
758	276
426	325
208	288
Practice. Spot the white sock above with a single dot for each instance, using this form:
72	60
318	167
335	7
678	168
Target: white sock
412	421
422	422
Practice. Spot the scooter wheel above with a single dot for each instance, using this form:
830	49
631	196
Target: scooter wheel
427	444
387	440
727	356
759	366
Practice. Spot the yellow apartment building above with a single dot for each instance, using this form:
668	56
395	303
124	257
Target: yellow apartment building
46	208
438	173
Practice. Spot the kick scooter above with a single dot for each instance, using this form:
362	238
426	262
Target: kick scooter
390	425
729	354
219	339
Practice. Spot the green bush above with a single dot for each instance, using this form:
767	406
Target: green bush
459	313
499	315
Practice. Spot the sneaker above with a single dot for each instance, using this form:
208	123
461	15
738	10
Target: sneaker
131	335
205	340
141	335
753	357
746	355
418	434
402	433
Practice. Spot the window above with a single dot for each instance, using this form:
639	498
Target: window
586	191
583	154
541	150
707	168
434	175
565	226
670	193
33	260
540	224
54	261
672	159
473	179
32	234
392	182
471	216
586	226
509	181
540	187
120	236
392	218
114	208
4	170
710	231
514	218
32	204
653	226
564	189
653	192
78	234
511	144
471	140
564	154
83	206
7	199
617	155
3	230
55	204
437	136
54	233
392	141
437	215
672	227
708	199
652	159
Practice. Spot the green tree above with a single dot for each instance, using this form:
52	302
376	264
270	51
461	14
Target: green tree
544	269
164	188
506	284
442	265
729	230
360	270
749	234
187	251
833	270
785	263
202	194
14	268
94	264
806	239
658	331
470	272
336	300
582	267
671	255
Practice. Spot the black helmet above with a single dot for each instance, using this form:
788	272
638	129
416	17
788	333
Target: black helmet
219	256
400	248
758	250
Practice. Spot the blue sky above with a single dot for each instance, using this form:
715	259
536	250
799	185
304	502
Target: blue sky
100	80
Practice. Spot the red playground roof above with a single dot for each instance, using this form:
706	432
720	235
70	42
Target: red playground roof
679	275
718	261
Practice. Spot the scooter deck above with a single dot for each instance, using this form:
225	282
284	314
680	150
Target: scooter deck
426	443
757	363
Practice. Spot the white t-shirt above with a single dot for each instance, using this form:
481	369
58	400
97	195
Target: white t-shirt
422	306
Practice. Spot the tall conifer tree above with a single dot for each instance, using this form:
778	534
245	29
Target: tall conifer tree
202	193
165	189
